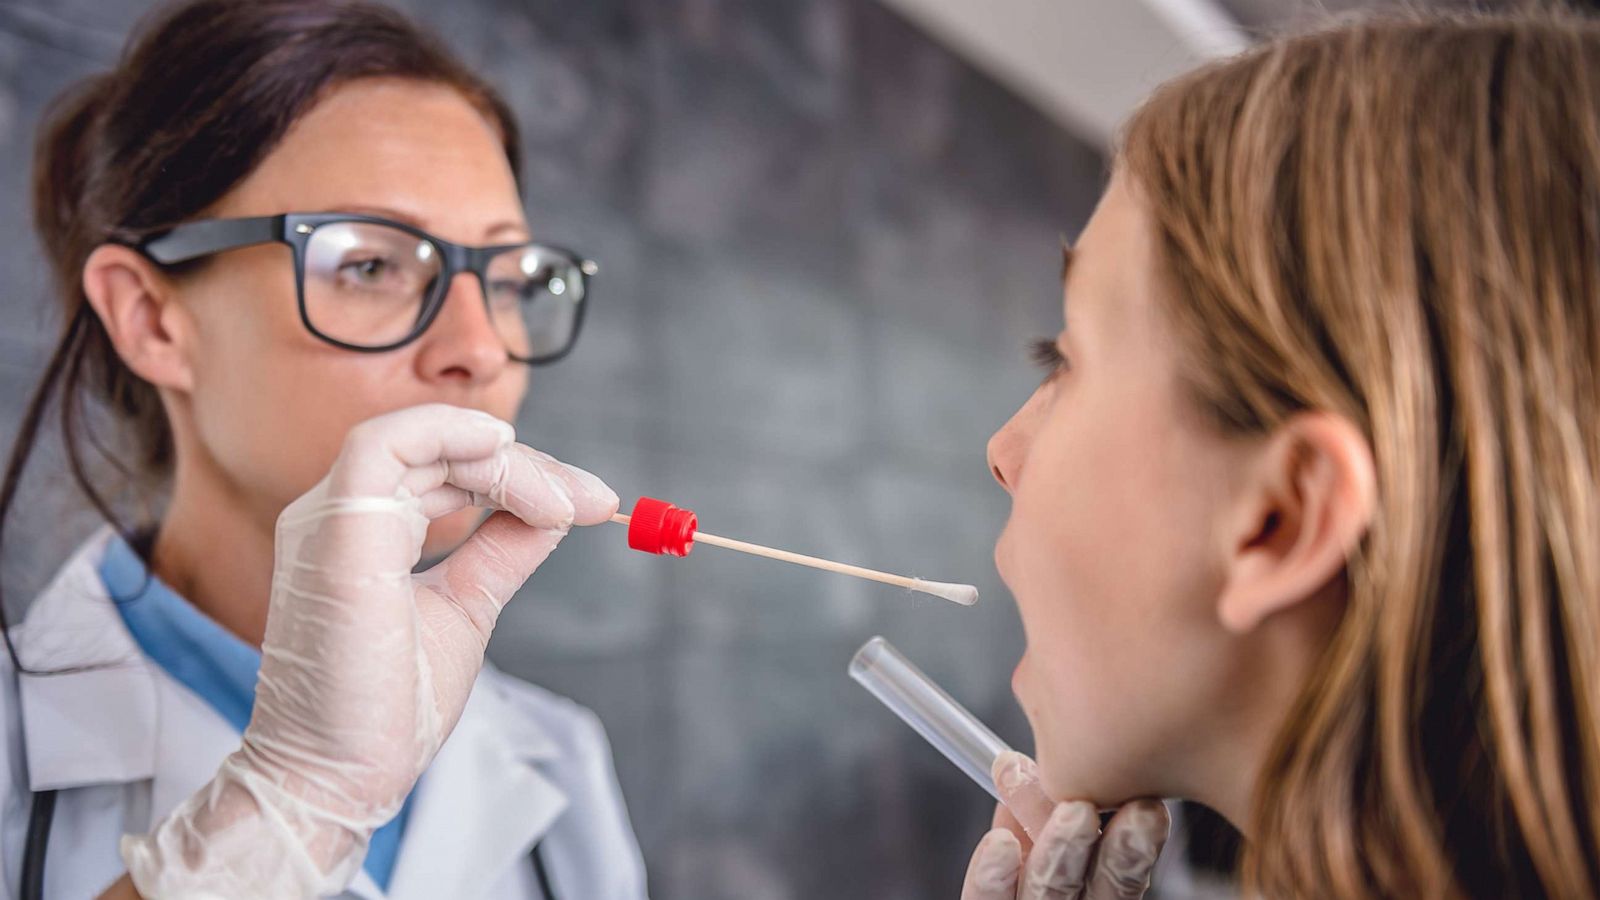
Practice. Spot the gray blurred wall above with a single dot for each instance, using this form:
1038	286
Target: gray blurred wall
825	241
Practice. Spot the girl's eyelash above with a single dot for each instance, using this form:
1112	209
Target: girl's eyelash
1048	356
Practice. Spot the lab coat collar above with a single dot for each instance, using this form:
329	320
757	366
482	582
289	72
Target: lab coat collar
89	711
105	714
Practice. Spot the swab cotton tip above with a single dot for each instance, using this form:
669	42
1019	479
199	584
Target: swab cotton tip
964	594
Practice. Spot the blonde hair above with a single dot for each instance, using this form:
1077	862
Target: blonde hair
1399	221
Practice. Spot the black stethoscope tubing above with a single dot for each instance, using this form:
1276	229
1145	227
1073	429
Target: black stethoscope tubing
38	840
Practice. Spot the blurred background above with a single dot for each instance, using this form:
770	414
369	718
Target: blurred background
827	230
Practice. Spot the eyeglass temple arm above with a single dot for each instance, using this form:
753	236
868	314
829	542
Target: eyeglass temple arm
193	240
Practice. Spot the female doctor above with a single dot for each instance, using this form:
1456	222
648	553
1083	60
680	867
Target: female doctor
288	242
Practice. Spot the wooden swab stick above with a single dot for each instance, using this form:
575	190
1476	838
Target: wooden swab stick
964	594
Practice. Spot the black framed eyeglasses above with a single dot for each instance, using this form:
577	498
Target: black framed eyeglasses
371	284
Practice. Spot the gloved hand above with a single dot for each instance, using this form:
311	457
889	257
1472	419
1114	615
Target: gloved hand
365	667
1043	849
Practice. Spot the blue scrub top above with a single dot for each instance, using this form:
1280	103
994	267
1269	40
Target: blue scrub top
213	663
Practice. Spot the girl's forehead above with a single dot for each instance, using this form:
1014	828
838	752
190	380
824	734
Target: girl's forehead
1108	278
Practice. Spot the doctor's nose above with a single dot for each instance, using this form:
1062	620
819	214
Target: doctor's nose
462	344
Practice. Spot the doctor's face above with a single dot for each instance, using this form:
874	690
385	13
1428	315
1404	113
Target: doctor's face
270	403
1116	487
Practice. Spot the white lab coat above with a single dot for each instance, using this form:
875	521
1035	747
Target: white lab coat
123	743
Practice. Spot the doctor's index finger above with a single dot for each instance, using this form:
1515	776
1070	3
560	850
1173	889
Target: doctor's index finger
535	487
593	501
380	453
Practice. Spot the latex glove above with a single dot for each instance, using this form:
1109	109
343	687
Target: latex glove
1043	849
365	667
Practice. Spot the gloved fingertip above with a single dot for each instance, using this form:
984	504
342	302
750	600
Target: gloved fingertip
1143	829
506	430
1074	820
1013	770
997	861
598	491
1154	815
562	507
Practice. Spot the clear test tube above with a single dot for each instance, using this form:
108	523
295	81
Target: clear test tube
923	705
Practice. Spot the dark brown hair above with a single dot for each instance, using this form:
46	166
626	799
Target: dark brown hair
204	90
1398	221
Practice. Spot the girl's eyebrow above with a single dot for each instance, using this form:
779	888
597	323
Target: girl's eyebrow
1067	254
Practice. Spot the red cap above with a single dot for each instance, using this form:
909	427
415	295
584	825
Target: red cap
659	527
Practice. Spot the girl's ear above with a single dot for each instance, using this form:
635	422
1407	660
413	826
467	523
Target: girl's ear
1309	502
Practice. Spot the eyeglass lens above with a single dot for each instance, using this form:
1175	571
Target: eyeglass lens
369	285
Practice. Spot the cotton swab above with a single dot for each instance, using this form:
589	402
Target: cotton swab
659	527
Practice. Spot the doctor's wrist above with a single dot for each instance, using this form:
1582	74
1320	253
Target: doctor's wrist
245	835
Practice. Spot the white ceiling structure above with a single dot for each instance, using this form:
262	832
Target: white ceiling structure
1086	63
